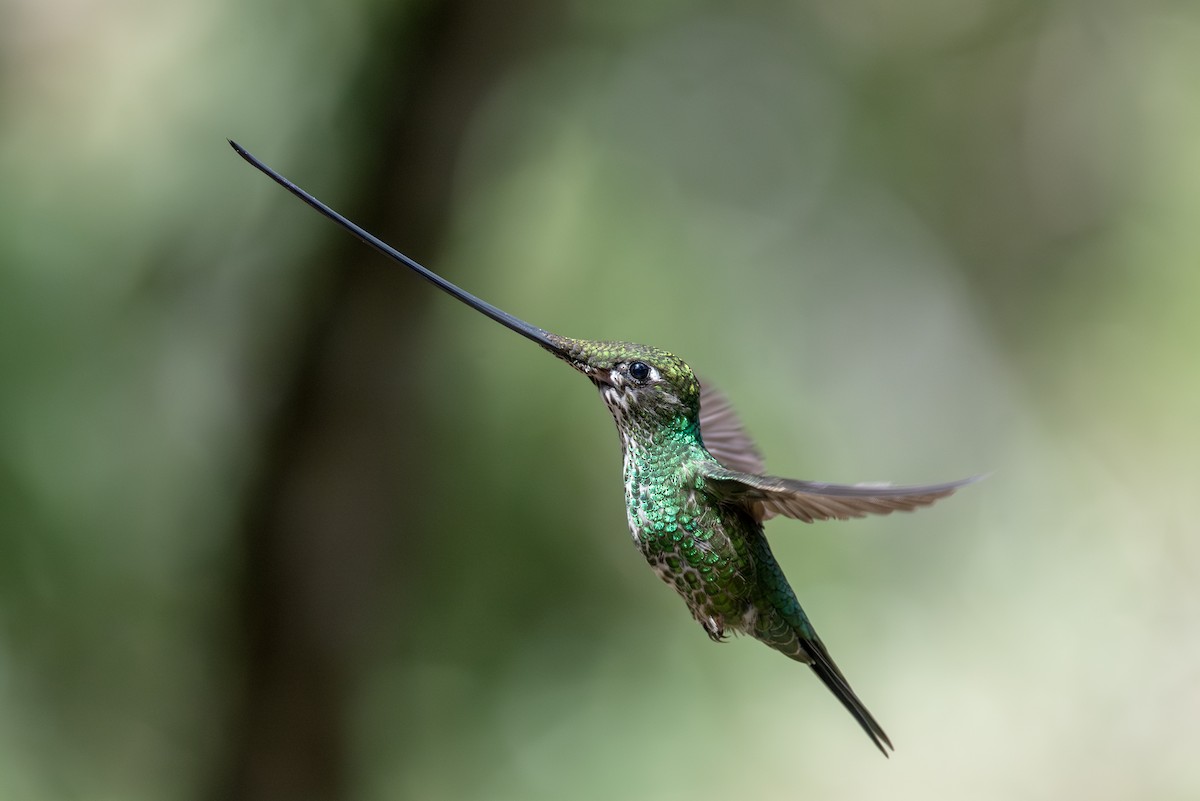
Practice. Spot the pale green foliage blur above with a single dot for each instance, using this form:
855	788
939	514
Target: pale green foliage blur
912	241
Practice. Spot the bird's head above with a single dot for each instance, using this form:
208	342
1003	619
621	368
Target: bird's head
644	387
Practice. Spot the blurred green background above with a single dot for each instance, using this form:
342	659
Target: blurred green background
279	521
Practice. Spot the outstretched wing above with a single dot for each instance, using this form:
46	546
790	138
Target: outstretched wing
723	434
813	500
738	474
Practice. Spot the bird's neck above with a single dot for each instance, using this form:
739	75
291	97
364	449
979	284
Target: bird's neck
661	449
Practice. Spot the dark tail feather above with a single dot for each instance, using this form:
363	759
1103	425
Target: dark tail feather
832	678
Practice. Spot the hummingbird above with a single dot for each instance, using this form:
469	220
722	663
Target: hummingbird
696	492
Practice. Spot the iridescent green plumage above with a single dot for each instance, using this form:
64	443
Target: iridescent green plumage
695	493
686	516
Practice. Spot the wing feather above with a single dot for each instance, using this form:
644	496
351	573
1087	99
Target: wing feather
723	434
814	500
740	467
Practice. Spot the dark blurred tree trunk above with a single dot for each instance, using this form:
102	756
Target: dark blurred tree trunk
323	522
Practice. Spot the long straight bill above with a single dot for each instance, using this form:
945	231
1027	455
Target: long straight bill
523	328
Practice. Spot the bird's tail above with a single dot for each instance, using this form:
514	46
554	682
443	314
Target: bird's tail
825	668
781	623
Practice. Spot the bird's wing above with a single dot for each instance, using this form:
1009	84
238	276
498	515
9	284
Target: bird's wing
812	500
723	434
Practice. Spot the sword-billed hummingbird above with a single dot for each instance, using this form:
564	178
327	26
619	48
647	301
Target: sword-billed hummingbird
696	496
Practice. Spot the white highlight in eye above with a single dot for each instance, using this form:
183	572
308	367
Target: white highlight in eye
620	374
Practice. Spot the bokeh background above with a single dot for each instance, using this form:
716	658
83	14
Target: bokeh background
279	521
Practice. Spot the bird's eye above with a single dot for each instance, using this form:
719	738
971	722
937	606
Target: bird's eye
639	371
